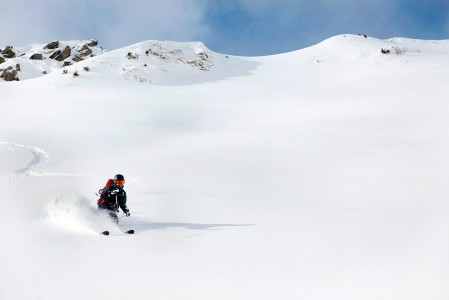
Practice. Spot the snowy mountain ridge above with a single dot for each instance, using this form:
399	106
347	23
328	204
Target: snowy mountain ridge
166	62
140	62
21	63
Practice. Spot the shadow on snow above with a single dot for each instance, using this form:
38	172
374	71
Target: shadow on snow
143	226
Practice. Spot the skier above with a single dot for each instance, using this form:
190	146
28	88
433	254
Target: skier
113	197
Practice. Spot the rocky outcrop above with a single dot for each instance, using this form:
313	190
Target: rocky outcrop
61	55
64	54
44	57
54	54
36	56
77	58
52	45
204	61
8	53
10	74
92	43
84	52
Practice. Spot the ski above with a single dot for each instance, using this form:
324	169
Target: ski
131	231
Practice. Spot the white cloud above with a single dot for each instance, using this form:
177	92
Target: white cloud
113	22
143	20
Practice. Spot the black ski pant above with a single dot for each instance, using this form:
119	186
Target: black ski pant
111	212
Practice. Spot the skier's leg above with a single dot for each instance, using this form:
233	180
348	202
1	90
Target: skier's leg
113	215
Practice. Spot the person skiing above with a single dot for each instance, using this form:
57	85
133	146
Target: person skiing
113	197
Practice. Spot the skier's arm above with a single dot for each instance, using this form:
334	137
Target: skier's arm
122	202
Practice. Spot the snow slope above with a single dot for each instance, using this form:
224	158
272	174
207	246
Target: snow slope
317	174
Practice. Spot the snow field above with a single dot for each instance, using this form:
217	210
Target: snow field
320	173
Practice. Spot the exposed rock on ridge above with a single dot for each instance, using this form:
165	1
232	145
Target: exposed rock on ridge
8	53
157	62
46	57
9	74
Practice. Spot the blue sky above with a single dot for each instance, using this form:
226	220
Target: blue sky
239	27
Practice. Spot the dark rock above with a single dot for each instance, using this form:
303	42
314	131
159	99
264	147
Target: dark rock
2	60
92	43
134	56
61	55
9	74
64	54
67	63
85	51
52	45
54	54
8	53
36	56
18	67
77	58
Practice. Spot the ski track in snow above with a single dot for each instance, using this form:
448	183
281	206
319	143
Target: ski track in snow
70	213
40	157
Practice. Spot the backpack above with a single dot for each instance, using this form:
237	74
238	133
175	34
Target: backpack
101	200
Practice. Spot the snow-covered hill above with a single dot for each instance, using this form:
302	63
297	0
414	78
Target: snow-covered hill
156	62
316	174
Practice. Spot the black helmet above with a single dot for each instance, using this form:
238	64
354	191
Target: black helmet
119	177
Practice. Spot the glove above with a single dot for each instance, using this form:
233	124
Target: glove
126	211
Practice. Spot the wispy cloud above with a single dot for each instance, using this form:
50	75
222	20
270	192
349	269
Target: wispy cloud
164	20
114	22
244	27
